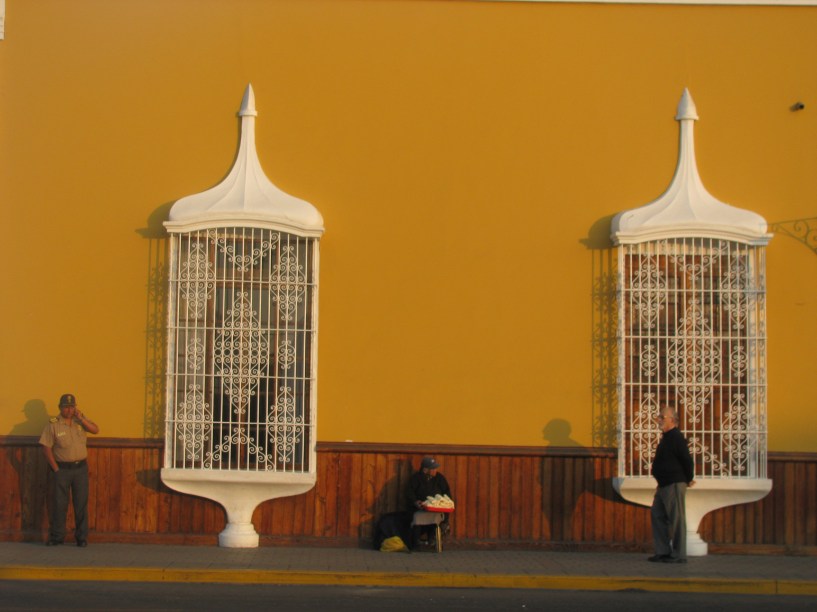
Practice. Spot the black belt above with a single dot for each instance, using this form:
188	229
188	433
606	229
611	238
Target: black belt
70	465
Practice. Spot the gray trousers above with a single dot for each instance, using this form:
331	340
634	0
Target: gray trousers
669	524
75	482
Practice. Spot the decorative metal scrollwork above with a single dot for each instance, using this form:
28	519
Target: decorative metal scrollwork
243	262
288	278
241	353
704	357
197	280
242	350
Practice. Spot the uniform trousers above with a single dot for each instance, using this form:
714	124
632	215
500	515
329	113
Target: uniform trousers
73	481
669	525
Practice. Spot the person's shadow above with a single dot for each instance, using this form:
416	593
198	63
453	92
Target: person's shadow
390	499
557	433
29	462
566	494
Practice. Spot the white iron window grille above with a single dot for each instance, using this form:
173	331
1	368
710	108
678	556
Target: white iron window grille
692	316
241	361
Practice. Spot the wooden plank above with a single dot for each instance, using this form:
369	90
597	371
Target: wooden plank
523	472
483	503
459	490
379	478
587	500
368	498
599	506
515	510
810	486
319	516
774	507
535	498
333	472
494	499
568	498
467	524
356	508
790	503
505	501
107	486
548	484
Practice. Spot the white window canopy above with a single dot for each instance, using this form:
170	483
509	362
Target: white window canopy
687	209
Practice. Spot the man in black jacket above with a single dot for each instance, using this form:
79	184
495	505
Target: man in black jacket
672	467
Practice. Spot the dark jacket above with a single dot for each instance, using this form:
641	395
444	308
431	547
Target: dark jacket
672	462
422	485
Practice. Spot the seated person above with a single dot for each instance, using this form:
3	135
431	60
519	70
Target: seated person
422	484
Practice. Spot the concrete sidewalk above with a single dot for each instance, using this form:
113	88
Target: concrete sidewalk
767	575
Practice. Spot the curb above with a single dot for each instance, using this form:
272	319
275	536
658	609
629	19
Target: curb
398	579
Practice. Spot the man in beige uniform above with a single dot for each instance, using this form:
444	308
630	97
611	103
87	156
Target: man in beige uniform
64	444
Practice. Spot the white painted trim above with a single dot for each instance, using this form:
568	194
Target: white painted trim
2	19
696	2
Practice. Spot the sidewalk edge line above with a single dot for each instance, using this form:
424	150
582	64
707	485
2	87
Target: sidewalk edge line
414	579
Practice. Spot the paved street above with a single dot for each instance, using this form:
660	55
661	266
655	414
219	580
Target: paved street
113	596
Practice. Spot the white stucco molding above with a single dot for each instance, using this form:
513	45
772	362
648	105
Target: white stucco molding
686	208
246	196
707	495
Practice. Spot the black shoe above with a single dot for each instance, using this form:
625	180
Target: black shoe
53	543
669	559
658	558
82	543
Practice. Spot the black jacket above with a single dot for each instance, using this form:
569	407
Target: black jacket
422	485
672	462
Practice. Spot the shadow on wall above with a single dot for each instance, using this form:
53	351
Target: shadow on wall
557	433
155	321
36	418
566	486
603	325
30	466
392	497
802	230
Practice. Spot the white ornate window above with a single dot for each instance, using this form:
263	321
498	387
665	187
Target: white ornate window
693	337
242	341
691	295
242	373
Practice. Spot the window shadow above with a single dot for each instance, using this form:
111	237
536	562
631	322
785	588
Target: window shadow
155	321
603	325
31	469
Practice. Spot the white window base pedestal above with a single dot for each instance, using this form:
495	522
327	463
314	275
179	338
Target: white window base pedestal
707	495
239	493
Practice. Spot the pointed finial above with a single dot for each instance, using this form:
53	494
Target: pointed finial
245	196
686	209
248	103
686	107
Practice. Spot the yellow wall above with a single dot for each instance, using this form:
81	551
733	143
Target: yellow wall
466	157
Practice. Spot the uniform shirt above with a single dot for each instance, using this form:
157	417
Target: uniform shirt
67	442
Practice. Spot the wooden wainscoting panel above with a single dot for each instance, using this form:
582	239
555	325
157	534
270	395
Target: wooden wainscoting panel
559	498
